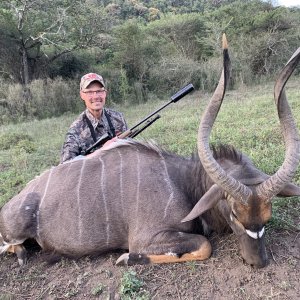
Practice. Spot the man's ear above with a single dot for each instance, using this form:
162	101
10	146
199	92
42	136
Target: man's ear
80	94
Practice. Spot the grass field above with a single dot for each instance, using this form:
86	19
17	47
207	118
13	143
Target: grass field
247	120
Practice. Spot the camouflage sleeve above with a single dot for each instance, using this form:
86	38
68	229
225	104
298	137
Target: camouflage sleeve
70	148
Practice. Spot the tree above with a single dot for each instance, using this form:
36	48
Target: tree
260	34
134	54
37	32
134	50
187	33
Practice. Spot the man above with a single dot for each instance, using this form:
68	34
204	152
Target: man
94	121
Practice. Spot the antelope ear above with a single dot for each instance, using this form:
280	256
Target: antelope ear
207	201
290	190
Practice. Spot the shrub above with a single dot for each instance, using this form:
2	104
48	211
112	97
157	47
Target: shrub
131	287
20	140
174	73
41	99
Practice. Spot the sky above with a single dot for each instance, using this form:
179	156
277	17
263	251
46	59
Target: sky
288	2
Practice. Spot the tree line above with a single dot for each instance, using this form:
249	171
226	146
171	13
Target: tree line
145	49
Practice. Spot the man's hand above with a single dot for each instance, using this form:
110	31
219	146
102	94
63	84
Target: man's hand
105	146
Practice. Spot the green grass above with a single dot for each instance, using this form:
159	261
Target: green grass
96	291
131	287
248	120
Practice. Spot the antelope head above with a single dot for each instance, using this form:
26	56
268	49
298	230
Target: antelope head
246	201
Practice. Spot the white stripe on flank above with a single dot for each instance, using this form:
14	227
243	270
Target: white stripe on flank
41	202
102	183
38	224
46	187
67	173
138	183
78	201
121	182
169	185
34	185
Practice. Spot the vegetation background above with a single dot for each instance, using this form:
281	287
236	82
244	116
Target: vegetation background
147	50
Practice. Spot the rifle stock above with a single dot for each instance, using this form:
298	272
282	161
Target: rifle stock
104	138
125	134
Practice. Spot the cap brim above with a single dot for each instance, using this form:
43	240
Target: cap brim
88	82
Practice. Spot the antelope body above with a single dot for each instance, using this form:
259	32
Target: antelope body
154	203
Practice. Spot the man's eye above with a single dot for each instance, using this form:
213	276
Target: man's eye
91	93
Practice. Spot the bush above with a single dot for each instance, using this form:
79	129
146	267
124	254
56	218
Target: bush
131	287
174	73
41	99
20	140
54	97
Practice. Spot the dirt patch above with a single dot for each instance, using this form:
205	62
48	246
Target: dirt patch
223	276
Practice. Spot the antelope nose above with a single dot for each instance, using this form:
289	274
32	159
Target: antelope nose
260	264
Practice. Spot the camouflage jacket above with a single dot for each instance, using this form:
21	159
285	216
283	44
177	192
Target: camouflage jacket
79	136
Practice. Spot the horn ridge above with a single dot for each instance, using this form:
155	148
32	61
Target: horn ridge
213	169
272	186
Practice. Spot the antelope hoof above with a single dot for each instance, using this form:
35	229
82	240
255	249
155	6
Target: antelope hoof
123	260
22	258
21	253
130	259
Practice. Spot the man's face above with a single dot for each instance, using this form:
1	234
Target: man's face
94	97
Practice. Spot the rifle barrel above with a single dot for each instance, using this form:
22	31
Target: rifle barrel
176	97
149	122
184	91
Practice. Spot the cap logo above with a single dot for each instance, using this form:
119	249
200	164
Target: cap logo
91	76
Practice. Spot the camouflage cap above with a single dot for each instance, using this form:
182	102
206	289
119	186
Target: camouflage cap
87	79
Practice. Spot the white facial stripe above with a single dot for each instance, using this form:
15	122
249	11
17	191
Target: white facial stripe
261	233
256	235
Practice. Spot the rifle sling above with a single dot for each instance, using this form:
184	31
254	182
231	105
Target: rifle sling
111	126
92	130
87	120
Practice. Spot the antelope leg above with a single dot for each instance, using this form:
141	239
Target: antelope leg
202	253
20	251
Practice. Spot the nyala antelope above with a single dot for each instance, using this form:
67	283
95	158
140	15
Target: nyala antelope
157	206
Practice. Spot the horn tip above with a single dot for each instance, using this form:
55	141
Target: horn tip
224	42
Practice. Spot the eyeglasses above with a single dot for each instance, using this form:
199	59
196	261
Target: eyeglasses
98	92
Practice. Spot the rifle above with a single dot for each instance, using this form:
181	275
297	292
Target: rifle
134	131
